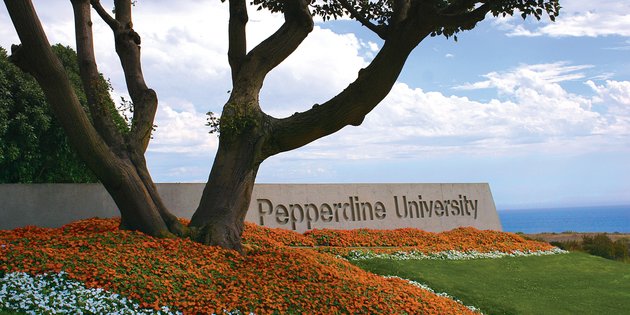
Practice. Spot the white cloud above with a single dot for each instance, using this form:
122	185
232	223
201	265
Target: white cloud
614	98
321	67
181	129
539	76
613	92
577	18
60	28
373	46
532	112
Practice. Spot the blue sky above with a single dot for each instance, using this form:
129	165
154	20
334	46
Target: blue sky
539	110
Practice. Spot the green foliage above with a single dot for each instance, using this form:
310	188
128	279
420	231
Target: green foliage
503	8
33	146
235	121
599	245
68	58
574	283
568	245
214	123
381	12
622	250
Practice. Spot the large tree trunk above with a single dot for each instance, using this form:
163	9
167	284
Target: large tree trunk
137	208
219	219
221	213
121	168
142	181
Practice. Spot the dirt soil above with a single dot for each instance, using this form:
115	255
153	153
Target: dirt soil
562	237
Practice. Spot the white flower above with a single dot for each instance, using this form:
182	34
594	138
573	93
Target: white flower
448	255
56	294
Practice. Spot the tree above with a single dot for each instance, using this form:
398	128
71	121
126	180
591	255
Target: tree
33	146
248	135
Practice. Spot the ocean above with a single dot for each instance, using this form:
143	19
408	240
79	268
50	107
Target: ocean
583	219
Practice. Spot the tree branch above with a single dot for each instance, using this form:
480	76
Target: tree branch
169	219
123	12
352	104
372	85
401	9
113	24
51	76
237	36
144	102
277	47
466	20
458	6
144	99
378	30
96	93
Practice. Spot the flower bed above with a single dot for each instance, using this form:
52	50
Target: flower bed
270	277
460	239
257	235
33	294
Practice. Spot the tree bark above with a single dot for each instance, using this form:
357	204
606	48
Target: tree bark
244	128
219	219
248	136
123	174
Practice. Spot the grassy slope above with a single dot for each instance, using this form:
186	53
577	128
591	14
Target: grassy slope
574	283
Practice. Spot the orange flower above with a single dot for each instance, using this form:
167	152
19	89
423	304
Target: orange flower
274	276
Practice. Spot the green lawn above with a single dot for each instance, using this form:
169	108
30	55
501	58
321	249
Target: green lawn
573	283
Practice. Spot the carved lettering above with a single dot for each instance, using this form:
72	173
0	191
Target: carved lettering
438	208
379	210
261	212
326	213
311	216
282	214
356	210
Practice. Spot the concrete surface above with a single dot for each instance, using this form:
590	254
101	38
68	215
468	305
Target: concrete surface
299	207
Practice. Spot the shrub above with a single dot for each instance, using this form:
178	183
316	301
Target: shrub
599	245
622	250
571	245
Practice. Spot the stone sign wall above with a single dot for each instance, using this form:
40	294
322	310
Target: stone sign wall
298	207
431	207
